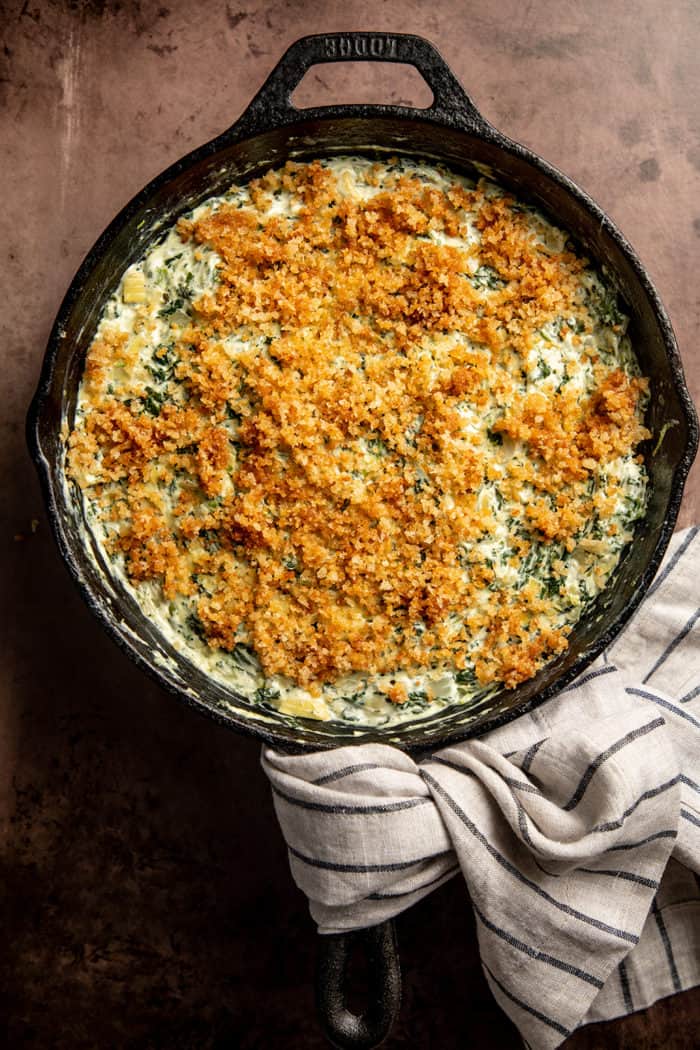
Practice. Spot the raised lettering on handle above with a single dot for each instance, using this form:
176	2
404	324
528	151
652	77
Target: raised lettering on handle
361	46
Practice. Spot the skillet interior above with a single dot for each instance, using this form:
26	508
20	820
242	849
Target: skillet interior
364	130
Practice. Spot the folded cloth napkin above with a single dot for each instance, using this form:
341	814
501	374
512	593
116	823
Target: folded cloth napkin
575	827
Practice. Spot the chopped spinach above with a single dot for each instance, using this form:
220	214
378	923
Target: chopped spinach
153	401
486	277
266	694
171	307
196	626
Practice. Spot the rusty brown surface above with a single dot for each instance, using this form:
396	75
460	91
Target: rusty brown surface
146	896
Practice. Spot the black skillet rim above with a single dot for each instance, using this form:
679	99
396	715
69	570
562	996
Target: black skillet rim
270	109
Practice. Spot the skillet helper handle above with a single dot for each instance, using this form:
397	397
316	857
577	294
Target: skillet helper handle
344	1029
272	105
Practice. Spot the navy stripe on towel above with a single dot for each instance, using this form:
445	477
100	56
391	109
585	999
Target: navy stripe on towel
361	869
673	645
416	889
347	771
535	953
673	561
608	669
671	833
338	809
521	785
595	765
530	755
663	703
525	1006
625	986
668	948
628	876
612	825
690	696
516	873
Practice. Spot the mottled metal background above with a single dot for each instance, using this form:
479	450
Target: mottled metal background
146	899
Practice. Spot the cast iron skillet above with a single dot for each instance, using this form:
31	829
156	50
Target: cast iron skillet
269	132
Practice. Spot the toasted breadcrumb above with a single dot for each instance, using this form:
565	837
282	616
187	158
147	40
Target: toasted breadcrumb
342	505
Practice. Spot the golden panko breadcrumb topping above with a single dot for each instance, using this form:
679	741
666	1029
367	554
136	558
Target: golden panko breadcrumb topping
309	473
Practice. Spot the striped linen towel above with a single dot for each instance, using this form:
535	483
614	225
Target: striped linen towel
576	827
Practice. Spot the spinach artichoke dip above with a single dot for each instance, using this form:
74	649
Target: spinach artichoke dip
362	438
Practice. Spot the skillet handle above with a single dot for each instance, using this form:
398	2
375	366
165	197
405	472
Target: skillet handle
272	106
346	1030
